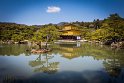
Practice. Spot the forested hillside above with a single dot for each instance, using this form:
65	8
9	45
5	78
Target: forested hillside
110	28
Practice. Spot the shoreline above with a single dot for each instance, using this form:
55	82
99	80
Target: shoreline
119	44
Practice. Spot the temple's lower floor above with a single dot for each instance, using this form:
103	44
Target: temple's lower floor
70	37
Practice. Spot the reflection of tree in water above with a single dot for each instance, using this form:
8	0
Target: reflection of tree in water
113	59
14	49
42	64
113	65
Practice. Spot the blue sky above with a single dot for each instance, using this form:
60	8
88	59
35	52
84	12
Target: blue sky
38	12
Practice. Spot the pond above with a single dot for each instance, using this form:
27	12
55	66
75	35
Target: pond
66	63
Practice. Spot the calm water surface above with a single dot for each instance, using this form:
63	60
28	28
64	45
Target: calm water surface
67	63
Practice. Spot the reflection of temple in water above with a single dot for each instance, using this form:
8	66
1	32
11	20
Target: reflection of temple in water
42	64
71	50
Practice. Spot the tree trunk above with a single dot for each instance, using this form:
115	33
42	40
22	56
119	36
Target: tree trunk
39	44
46	45
47	41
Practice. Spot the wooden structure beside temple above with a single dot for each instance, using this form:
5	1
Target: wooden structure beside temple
70	32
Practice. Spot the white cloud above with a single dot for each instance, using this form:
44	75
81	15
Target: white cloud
53	9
